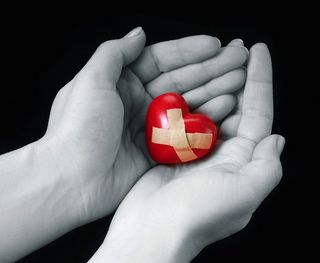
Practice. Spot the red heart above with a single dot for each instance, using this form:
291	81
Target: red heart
170	140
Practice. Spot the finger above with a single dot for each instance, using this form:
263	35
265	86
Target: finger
236	42
257	109
191	76
218	108
169	55
229	127
104	67
239	43
239	94
227	83
264	172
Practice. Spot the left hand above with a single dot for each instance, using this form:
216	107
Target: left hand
93	150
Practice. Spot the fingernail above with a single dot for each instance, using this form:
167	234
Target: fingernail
135	32
218	41
239	39
280	143
236	42
262	44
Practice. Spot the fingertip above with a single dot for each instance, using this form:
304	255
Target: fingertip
246	51
241	52
280	143
228	100
236	42
134	32
218	41
259	64
205	42
240	40
260	46
229	126
232	99
132	44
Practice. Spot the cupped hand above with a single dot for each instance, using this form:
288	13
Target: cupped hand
95	137
175	211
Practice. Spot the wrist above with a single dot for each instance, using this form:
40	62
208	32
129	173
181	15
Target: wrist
64	195
144	245
30	192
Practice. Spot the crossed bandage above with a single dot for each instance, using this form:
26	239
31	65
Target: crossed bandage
177	137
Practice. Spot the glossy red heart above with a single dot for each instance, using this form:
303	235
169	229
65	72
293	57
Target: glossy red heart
167	141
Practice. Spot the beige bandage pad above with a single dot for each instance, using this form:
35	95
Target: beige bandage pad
177	137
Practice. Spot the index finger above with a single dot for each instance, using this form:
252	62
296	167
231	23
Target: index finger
257	109
169	55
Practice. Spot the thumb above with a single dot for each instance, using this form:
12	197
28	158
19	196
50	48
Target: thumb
105	66
264	172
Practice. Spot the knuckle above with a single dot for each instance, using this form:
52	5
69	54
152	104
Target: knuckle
157	62
174	81
253	111
209	68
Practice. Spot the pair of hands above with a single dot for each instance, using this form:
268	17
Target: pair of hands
95	143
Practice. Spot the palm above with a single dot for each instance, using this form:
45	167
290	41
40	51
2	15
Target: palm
177	196
136	97
215	197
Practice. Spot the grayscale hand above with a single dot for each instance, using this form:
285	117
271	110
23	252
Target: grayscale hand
173	212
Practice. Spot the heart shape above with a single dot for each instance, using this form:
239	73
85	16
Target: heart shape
174	135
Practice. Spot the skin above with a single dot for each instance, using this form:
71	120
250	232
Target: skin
173	212
75	173
108	133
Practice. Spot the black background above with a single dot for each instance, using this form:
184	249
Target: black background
41	53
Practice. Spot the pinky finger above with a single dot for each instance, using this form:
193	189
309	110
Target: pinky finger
225	84
218	108
229	127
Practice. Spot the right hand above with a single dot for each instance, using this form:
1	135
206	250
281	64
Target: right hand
173	212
